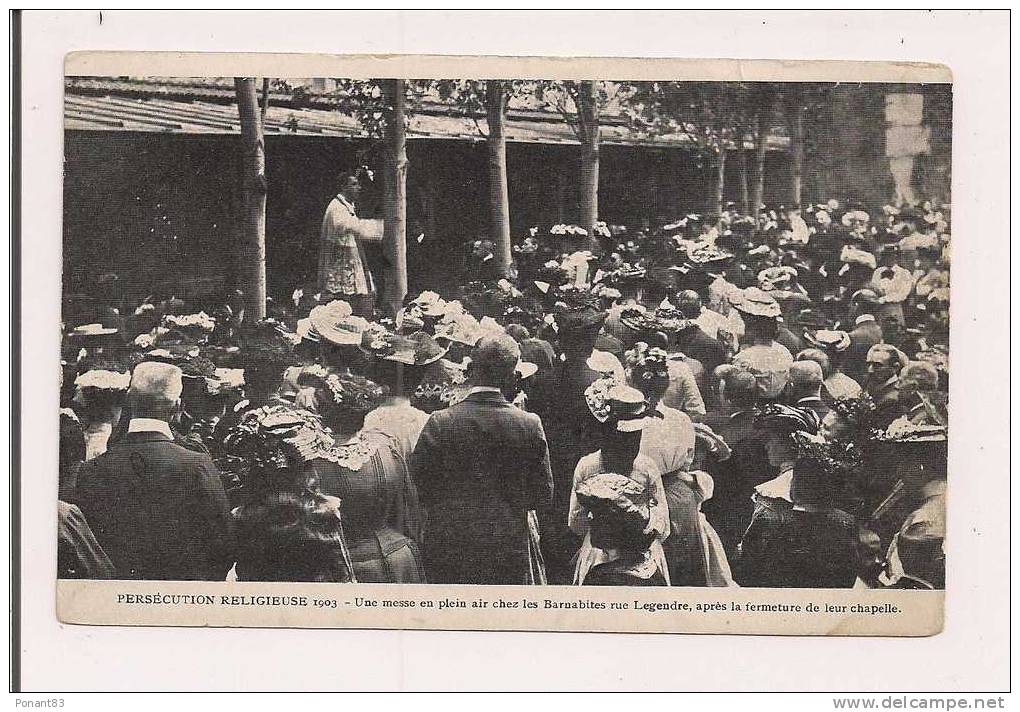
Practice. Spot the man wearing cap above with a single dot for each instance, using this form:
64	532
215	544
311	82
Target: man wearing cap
343	265
157	509
892	283
480	466
866	333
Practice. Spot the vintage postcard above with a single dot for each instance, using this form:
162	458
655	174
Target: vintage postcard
493	343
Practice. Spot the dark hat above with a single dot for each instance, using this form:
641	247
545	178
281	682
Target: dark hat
636	318
579	322
277	438
787	419
911	213
811	319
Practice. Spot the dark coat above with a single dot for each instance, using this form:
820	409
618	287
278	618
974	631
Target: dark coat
789	548
158	510
480	465
730	508
819	407
78	553
790	340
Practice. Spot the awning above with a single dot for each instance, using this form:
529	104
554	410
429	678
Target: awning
84	112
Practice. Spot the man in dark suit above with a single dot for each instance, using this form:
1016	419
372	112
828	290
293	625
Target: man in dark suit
866	333
480	466
805	388
157	509
885	362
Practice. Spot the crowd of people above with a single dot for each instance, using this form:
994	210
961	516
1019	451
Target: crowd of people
723	400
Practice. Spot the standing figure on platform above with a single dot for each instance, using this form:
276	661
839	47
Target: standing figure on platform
343	266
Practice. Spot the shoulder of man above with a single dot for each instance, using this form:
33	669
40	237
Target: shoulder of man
170	450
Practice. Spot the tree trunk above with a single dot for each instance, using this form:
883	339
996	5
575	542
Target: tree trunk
760	146
720	183
499	198
796	128
252	258
588	124
395	199
745	198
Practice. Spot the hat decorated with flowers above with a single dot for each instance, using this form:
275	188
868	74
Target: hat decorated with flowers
646	363
347	392
459	326
614	491
772	278
417	349
273	439
637	318
200	323
618	404
786	419
857	411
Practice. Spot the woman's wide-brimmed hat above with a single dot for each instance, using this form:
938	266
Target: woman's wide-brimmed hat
188	358
829	340
103	379
417	349
275	438
756	302
811	319
784	418
615	491
91	330
708	254
615	403
637	318
902	430
772	278
461	327
335	322
581	321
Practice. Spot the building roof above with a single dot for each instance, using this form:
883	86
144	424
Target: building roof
207	106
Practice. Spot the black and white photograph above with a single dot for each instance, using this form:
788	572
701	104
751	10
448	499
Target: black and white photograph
592	332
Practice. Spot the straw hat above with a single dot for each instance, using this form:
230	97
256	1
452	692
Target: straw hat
755	302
